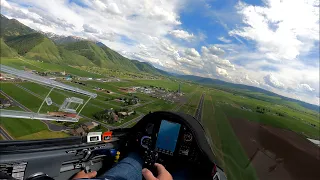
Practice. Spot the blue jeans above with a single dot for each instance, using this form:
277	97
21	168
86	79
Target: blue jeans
128	168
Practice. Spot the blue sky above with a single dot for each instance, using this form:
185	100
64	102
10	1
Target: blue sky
271	44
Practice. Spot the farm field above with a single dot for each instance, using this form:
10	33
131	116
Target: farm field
31	96
43	66
191	106
220	107
157	105
20	127
45	134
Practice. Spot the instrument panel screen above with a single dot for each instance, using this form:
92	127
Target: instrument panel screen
94	138
168	136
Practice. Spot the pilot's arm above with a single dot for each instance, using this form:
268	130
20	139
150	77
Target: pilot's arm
163	174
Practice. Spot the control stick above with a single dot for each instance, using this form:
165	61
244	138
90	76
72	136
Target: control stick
150	157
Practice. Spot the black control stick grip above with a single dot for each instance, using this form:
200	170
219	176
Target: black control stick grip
150	158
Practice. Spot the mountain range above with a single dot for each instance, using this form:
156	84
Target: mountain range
246	90
18	39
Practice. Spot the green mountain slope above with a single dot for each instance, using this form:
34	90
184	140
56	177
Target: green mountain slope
89	50
146	67
23	44
33	45
5	50
118	60
12	27
45	51
71	58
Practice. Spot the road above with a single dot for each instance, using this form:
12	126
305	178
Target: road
198	114
5	135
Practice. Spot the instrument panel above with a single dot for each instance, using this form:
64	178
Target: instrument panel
169	139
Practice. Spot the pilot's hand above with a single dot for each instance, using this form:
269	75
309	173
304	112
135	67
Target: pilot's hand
83	175
163	174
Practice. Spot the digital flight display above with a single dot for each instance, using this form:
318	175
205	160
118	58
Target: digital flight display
168	136
94	138
107	138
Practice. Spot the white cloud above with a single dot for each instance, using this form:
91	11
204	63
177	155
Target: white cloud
192	52
281	29
181	34
305	88
212	54
213	50
222	72
143	30
4	3
271	80
89	29
223	39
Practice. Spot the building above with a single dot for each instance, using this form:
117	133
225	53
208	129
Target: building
78	132
89	125
4	103
122	114
131	112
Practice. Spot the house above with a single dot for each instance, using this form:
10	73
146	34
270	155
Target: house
88	125
78	132
111	112
122	113
131	112
4	103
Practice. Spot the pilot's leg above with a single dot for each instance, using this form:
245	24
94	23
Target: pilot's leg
128	168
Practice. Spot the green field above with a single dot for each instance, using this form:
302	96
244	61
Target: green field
21	127
157	105
44	67
28	100
45	134
219	106
191	106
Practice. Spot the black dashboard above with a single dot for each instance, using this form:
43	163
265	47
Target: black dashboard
178	139
171	140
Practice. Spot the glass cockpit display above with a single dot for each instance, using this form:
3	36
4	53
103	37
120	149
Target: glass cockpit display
167	137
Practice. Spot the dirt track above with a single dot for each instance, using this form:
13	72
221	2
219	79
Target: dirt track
276	153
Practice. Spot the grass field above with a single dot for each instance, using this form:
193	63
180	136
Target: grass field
42	67
45	134
157	105
191	106
219	106
24	98
228	150
21	127
232	108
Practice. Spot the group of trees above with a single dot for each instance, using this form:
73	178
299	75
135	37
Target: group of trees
263	110
111	116
107	116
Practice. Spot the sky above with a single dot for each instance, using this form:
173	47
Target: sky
271	44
